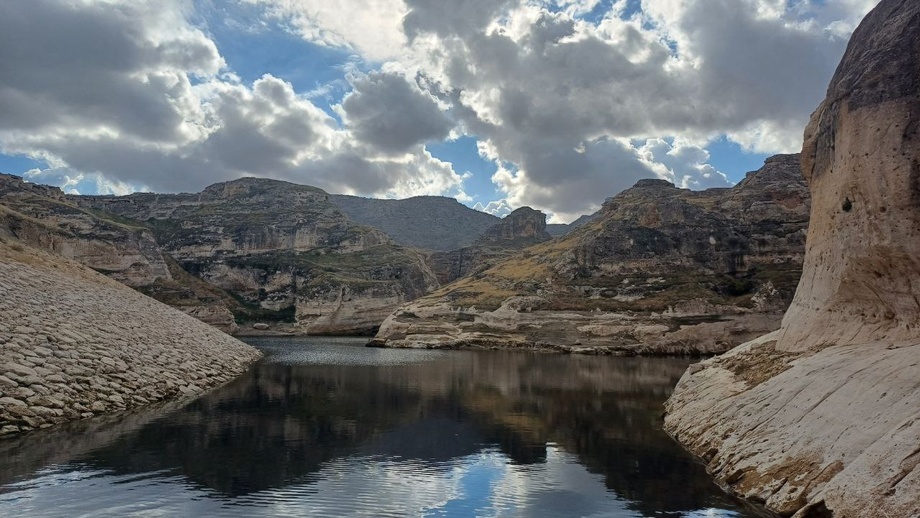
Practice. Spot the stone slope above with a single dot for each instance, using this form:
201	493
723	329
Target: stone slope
74	343
122	249
427	222
661	270
822	418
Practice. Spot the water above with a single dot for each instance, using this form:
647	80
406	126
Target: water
326	427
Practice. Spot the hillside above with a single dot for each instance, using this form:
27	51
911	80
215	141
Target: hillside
428	222
660	270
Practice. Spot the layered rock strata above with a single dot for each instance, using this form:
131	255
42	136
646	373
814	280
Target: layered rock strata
822	418
74	344
661	270
523	227
287	257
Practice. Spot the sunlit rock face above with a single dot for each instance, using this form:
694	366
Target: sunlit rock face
660	270
43	217
862	160
822	418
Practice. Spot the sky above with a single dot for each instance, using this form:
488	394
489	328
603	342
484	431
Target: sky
553	104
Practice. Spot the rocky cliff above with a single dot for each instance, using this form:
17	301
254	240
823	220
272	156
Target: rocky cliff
284	251
822	418
74	344
523	227
123	249
45	218
660	270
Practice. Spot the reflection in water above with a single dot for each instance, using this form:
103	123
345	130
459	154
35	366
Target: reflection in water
324	427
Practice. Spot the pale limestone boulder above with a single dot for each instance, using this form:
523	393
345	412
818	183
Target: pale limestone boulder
822	418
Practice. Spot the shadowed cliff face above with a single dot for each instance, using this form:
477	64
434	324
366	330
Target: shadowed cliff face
521	228
661	269
822	418
426	222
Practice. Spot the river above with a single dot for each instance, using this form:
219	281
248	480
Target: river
326	427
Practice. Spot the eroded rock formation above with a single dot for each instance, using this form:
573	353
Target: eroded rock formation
660	270
74	343
822	418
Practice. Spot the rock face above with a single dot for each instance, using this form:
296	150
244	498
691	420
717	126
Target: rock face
285	252
521	228
661	270
524	226
822	418
43	217
427	222
74	344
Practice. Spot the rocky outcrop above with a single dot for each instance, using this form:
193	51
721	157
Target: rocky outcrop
43	217
660	270
74	344
287	255
822	418
427	222
524	226
521	228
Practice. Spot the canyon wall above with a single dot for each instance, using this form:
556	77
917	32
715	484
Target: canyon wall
822	418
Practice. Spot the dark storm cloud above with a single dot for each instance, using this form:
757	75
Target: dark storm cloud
392	114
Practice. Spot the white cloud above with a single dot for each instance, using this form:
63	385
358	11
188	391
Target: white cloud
129	95
682	163
555	101
368	27
499	208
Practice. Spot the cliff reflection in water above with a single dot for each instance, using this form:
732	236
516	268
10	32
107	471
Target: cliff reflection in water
311	405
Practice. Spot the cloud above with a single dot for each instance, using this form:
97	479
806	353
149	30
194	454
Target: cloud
132	96
681	163
392	114
499	208
557	99
570	108
368	27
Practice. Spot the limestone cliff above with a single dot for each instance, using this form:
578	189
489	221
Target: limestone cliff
284	251
822	418
523	227
43	217
660	270
74	343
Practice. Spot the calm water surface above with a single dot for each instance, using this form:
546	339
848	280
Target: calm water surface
326	427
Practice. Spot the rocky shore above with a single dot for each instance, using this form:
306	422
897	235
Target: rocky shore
74	344
822	418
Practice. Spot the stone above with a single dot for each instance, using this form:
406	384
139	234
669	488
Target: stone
16	368
7	401
45	387
822	418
